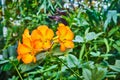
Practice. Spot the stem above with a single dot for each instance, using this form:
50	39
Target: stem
82	52
17	71
69	68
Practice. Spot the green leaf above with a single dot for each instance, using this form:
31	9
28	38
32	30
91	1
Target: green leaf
78	39
107	45
3	61
116	67
38	78
5	53
112	31
99	73
106	55
7	67
27	67
72	61
41	56
117	63
27	18
118	42
95	73
12	51
95	54
81	22
14	78
114	17
86	31
86	74
50	68
56	51
116	47
72	77
50	4
91	71
92	35
98	34
112	14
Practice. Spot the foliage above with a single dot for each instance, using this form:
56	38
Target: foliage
96	28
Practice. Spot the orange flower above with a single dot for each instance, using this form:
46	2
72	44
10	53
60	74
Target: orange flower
42	36
26	50
39	40
64	37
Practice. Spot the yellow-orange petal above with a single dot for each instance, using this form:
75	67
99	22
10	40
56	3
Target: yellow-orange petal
64	32
49	34
69	35
22	49
28	58
47	45
26	33
69	44
43	30
27	42
26	38
61	25
37	45
68	29
62	29
62	47
58	33
35	35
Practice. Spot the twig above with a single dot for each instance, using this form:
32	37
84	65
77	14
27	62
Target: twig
69	68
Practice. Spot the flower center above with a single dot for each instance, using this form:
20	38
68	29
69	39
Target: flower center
62	39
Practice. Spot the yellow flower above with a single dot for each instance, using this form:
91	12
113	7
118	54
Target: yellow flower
42	36
64	37
26	50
